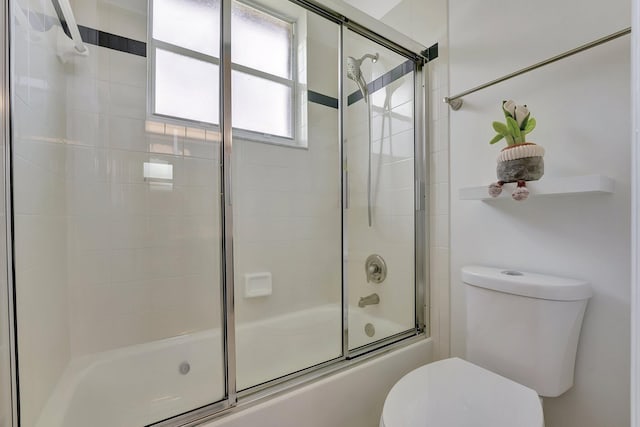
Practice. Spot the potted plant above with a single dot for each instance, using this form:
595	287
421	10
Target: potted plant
519	161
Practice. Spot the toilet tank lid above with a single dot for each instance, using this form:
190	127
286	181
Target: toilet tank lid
526	284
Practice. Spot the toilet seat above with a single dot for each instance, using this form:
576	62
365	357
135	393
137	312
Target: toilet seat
456	393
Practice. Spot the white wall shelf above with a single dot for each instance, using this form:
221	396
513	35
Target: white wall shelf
552	186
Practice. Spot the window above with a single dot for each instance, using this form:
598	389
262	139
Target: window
185	44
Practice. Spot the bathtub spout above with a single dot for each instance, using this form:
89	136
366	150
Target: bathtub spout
369	300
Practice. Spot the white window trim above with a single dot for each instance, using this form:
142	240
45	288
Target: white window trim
298	104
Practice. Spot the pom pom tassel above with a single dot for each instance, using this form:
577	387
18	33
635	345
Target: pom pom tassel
521	192
495	189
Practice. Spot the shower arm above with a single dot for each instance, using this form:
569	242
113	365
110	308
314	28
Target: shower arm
373	58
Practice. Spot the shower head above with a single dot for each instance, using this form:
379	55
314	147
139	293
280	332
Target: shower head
354	72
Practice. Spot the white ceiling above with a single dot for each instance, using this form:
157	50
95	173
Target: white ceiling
375	8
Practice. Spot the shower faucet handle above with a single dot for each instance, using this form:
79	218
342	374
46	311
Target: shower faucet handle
375	269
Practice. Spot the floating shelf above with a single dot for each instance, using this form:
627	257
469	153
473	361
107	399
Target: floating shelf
552	186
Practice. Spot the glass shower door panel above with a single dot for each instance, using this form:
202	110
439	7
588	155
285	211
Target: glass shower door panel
117	224
286	192
6	410
379	146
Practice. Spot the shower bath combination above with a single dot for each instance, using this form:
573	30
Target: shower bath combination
354	72
147	207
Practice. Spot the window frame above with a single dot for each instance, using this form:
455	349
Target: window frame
292	83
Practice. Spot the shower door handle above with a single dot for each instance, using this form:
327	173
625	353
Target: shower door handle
421	195
347	191
226	173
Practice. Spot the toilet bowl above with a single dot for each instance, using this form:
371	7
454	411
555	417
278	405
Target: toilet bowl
456	393
521	340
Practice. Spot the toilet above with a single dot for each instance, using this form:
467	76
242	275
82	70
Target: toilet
522	334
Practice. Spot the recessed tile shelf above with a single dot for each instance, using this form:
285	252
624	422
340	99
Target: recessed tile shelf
551	186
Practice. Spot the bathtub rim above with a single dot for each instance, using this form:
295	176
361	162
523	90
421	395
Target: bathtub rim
273	389
79	368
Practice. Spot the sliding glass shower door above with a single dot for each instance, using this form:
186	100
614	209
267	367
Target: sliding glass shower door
380	214
209	198
116	212
285	190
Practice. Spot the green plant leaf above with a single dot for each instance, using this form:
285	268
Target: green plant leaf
496	138
531	125
501	128
514	130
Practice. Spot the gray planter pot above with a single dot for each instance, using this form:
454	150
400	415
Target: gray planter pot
525	169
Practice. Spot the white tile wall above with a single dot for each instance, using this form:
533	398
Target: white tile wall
40	225
426	22
150	242
287	220
104	259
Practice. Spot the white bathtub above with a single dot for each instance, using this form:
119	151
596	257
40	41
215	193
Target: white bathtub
141	384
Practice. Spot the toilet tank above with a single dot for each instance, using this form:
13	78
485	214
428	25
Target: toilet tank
525	326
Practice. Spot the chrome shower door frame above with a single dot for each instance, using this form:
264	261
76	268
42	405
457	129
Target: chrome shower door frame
8	323
421	253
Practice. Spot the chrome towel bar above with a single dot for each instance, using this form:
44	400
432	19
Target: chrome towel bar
455	102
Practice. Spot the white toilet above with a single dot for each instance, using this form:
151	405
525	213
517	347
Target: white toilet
522	336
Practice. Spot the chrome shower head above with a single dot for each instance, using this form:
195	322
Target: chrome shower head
354	72
353	69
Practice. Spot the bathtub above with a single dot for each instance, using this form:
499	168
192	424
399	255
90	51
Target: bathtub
146	383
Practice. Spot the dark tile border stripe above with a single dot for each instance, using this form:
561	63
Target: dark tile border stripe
41	22
112	41
431	53
384	80
318	98
135	47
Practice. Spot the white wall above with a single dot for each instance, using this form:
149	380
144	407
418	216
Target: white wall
581	105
